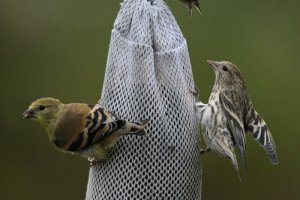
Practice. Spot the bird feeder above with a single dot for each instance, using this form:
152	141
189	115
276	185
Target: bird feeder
148	76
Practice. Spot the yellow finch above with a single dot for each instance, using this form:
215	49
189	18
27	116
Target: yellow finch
89	131
230	114
190	3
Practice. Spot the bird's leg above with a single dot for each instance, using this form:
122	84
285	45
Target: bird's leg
202	151
92	161
195	92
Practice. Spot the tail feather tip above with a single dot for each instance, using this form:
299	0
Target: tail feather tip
145	121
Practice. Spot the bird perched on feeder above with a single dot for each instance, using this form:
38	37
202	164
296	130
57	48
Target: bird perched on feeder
230	114
78	128
190	3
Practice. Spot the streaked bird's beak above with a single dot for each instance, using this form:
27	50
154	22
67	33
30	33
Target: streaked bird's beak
28	114
214	64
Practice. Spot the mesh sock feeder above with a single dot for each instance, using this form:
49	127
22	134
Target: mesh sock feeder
148	76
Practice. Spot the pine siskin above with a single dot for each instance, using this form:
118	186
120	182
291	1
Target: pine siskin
89	131
230	114
190	3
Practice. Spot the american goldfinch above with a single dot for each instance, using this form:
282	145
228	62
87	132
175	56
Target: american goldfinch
230	114
190	3
89	131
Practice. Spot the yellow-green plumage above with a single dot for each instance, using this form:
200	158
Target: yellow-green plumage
80	128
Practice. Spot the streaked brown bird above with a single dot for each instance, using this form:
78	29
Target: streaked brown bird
230	114
190	3
78	128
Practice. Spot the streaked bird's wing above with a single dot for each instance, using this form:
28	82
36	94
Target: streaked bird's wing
261	133
190	3
197	5
233	103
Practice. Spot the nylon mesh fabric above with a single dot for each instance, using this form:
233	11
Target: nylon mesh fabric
148	76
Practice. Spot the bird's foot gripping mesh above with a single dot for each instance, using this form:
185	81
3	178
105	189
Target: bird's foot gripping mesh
148	76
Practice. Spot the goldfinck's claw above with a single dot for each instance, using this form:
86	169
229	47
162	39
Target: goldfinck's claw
92	161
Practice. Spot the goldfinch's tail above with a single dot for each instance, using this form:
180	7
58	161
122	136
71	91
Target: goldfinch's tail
136	128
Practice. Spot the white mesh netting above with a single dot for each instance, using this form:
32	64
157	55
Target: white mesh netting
148	76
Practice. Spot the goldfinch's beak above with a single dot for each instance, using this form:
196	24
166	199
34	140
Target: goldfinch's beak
214	64
29	113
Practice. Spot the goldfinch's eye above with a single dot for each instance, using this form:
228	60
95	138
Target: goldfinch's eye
225	68
42	107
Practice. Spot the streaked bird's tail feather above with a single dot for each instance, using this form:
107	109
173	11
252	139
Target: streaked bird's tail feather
261	133
223	146
234	162
240	140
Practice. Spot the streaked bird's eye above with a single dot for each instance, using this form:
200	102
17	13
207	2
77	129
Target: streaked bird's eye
225	68
42	107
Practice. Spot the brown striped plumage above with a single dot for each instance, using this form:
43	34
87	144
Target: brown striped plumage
79	128
230	114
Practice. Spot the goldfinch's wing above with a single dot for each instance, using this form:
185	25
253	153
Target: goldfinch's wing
233	104
101	124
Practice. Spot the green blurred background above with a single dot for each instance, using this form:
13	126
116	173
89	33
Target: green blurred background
58	48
